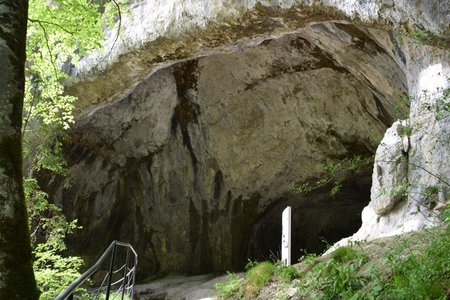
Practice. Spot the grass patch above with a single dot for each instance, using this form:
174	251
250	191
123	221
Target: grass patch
231	289
258	274
412	266
335	278
344	254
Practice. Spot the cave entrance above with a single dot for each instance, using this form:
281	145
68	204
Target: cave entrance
317	220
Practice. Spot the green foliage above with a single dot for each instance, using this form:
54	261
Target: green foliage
59	33
232	289
431	193
374	139
404	273
53	271
422	275
401	107
405	130
336	172
336	278
428	38
344	254
258	274
437	109
401	190
286	273
442	109
309	259
445	216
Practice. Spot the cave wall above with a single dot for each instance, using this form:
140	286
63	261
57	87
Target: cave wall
184	165
154	33
318	220
413	156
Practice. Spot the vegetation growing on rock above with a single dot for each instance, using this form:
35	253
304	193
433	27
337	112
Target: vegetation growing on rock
410	266
59	33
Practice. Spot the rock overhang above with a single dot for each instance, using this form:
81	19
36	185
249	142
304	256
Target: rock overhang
193	155
160	32
183	143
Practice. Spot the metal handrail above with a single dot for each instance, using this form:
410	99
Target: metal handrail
80	280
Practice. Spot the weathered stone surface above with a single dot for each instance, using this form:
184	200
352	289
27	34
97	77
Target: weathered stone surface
200	287
391	158
315	217
185	164
428	166
160	31
193	128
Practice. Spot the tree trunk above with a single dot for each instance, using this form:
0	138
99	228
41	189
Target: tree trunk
16	272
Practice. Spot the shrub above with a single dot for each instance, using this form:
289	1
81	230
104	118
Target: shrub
344	254
288	273
232	288
422	275
258	274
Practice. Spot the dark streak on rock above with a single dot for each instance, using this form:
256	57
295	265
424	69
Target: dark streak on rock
199	230
243	215
398	50
360	39
401	55
204	264
186	112
383	114
218	182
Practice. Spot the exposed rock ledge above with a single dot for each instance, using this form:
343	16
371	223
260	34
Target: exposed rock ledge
412	166
192	164
165	30
189	145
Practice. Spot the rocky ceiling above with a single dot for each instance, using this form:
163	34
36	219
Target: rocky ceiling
193	164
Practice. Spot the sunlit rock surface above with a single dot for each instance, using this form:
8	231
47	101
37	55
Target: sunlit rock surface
415	194
154	32
389	181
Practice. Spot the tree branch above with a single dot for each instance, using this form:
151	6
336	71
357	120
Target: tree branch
27	119
119	15
51	23
48	46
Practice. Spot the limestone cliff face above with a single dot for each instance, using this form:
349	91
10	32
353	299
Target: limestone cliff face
158	31
188	144
186	164
411	171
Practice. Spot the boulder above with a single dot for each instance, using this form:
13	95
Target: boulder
389	179
422	162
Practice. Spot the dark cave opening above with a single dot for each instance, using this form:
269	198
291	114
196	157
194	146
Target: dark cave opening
317	220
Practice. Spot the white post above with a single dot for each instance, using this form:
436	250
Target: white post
286	237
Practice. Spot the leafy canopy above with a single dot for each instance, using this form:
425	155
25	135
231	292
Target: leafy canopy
59	34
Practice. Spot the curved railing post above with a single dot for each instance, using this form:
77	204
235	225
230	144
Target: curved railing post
68	293
110	273
125	274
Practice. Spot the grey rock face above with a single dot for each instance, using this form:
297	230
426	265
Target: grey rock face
159	31
420	167
180	288
184	165
390	169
